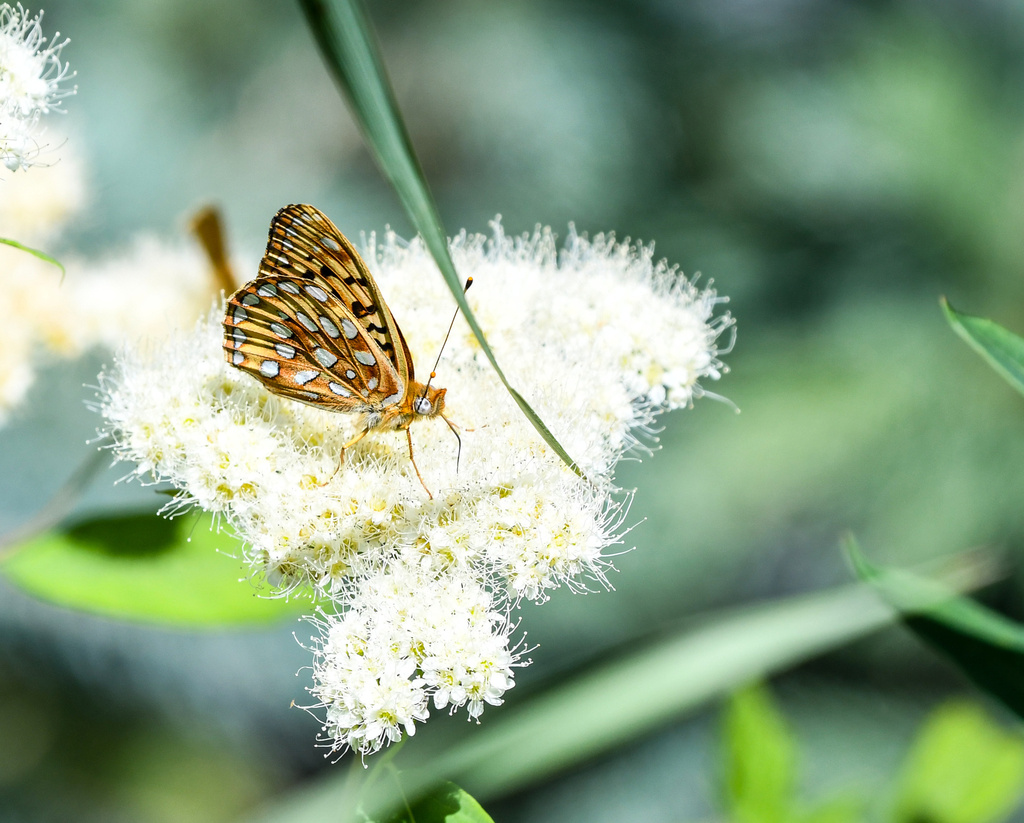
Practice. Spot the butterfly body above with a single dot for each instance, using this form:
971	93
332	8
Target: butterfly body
420	401
314	327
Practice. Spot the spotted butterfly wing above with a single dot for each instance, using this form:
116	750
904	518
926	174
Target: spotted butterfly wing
313	325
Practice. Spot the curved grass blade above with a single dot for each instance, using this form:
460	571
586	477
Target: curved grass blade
36	253
351	51
987	647
1003	349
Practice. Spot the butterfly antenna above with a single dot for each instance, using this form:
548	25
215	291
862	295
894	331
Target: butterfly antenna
433	371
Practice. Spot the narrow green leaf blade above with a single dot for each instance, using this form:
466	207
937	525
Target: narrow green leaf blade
36	253
760	766
986	646
962	768
1003	349
447	804
351	51
145	568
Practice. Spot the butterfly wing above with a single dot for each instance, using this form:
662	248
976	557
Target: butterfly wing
304	243
313	325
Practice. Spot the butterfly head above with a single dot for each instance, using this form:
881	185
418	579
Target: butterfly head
429	402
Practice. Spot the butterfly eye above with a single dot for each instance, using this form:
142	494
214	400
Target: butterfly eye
422	406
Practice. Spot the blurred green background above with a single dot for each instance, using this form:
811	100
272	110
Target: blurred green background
833	165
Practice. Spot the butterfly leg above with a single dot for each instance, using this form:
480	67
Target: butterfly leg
351	442
408	434
341	457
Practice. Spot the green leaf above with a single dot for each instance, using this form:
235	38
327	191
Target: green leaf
351	51
962	768
147	568
447	804
36	253
610	705
986	646
760	773
1003	349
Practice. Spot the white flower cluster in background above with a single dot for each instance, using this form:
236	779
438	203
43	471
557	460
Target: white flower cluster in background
597	336
31	73
33	209
97	302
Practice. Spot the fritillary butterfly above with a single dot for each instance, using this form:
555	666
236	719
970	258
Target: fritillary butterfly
314	327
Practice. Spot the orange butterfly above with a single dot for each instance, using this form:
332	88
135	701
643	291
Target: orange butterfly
314	327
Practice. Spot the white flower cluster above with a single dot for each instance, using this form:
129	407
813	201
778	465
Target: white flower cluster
33	209
378	663
597	336
31	72
98	303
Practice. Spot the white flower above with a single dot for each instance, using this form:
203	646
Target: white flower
597	336
31	72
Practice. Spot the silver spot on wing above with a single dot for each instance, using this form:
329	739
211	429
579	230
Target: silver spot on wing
325	358
329	327
317	292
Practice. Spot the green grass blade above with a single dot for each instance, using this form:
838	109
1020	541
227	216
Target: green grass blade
985	646
1003	349
36	253
351	51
